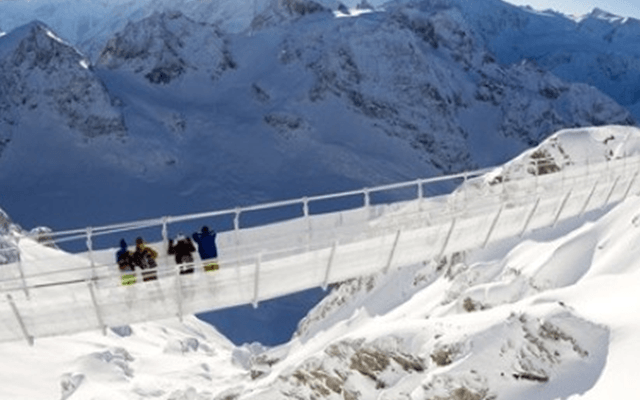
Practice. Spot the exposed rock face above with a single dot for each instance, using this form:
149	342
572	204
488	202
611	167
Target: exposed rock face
166	46
437	362
41	74
418	73
596	49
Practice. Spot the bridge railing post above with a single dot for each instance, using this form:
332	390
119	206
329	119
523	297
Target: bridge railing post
21	268
366	192
179	295
89	233
165	242
256	282
23	327
493	226
94	300
448	237
332	254
305	212
392	251
236	225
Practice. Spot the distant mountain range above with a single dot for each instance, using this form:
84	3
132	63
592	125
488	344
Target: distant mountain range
339	95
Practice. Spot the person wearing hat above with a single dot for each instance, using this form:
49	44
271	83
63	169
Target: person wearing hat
124	258
145	258
207	249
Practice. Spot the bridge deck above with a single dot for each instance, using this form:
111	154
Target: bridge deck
50	292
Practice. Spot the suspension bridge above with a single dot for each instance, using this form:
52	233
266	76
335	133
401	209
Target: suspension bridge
47	291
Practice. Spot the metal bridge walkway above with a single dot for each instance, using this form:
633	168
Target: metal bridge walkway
49	292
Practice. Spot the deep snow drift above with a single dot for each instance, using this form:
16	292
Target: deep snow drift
550	315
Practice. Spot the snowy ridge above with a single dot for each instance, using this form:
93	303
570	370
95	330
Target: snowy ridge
42	76
599	49
166	46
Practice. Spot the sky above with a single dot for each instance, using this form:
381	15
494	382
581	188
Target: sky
624	8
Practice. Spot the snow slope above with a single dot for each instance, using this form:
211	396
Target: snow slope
550	315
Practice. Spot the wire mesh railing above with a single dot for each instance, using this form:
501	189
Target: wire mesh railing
488	205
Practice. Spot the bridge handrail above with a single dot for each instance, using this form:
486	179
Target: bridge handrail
134	225
364	239
154	222
78	234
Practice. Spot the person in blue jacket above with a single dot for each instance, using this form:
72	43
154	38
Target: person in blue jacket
124	258
207	249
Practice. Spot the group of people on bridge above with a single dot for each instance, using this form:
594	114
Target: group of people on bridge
144	257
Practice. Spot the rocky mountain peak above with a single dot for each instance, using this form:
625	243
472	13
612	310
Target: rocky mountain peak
164	46
41	74
35	45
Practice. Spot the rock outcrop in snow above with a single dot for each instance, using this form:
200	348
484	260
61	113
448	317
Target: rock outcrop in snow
566	149
423	75
42	75
599	49
166	46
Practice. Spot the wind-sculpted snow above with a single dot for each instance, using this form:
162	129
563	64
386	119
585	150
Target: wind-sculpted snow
166	46
42	75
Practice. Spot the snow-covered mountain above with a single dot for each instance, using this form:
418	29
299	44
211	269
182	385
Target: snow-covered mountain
599	49
550	315
166	46
42	75
420	75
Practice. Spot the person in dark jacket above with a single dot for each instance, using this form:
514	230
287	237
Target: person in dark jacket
182	251
145	258
124	258
207	249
